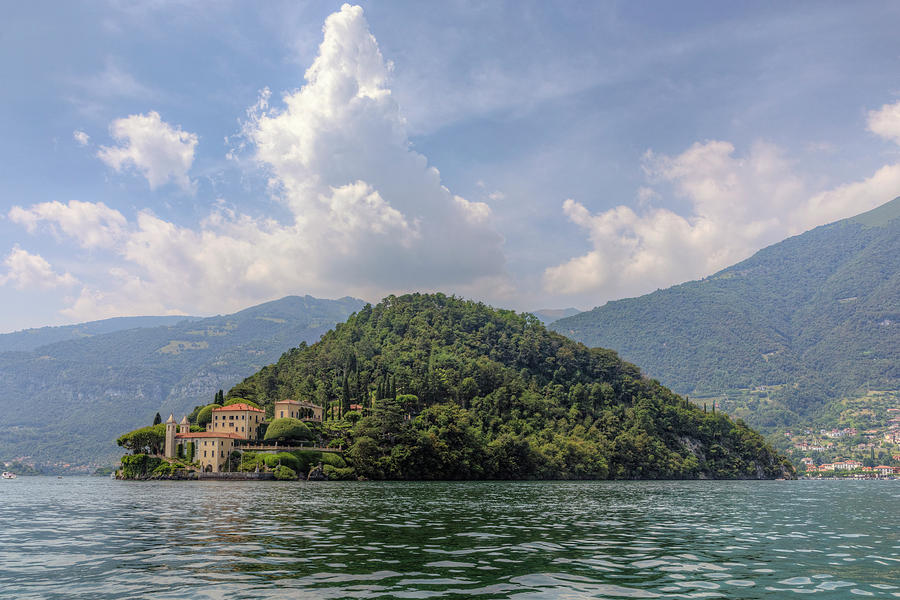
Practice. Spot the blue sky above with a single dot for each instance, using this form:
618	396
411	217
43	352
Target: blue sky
168	157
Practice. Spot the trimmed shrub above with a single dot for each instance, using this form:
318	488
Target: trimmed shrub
287	430
205	414
284	473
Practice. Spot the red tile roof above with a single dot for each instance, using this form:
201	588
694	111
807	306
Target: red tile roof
241	406
208	434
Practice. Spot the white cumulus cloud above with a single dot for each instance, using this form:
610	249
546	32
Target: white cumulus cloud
738	204
160	152
92	224
26	271
885	122
366	215
81	137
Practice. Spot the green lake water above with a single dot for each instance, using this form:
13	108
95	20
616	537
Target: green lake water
98	538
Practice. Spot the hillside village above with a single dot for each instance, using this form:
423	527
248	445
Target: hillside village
873	449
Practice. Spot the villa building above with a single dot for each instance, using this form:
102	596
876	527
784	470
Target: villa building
230	426
242	420
305	411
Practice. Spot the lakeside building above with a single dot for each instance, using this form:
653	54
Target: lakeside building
305	411
229	426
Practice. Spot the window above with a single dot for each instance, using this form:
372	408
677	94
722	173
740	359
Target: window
282	414
204	454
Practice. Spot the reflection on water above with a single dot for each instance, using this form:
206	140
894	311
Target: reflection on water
98	538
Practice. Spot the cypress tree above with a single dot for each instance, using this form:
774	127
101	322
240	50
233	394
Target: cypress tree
345	396
157	419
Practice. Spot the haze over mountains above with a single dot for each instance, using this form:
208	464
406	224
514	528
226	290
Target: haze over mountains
67	400
779	336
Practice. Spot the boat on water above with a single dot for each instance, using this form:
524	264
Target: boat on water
9	475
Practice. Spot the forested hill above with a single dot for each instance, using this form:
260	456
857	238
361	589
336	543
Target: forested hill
64	402
452	389
781	334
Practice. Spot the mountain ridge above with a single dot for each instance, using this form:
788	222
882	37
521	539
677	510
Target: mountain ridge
64	401
805	320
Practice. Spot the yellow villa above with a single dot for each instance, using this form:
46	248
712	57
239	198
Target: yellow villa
240	419
305	411
230	426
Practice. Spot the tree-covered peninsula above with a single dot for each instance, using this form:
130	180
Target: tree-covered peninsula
426	386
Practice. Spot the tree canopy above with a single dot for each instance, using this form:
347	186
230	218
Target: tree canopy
464	391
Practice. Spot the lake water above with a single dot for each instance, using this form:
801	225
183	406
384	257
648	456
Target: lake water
98	538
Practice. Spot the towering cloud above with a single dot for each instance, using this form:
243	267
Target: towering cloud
366	214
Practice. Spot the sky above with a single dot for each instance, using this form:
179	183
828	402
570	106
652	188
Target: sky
197	158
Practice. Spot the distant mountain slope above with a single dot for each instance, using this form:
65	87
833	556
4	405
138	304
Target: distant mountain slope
802	322
29	339
65	401
550	315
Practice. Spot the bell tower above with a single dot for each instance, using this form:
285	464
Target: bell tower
170	437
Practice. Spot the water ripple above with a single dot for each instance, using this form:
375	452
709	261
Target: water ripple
102	539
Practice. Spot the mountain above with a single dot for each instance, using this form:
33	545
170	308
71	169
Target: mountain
780	337
549	315
29	339
63	402
453	389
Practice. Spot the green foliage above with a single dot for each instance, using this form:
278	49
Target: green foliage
287	430
204	416
470	392
780	336
146	440
288	459
284	473
328	458
339	473
139	466
231	401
